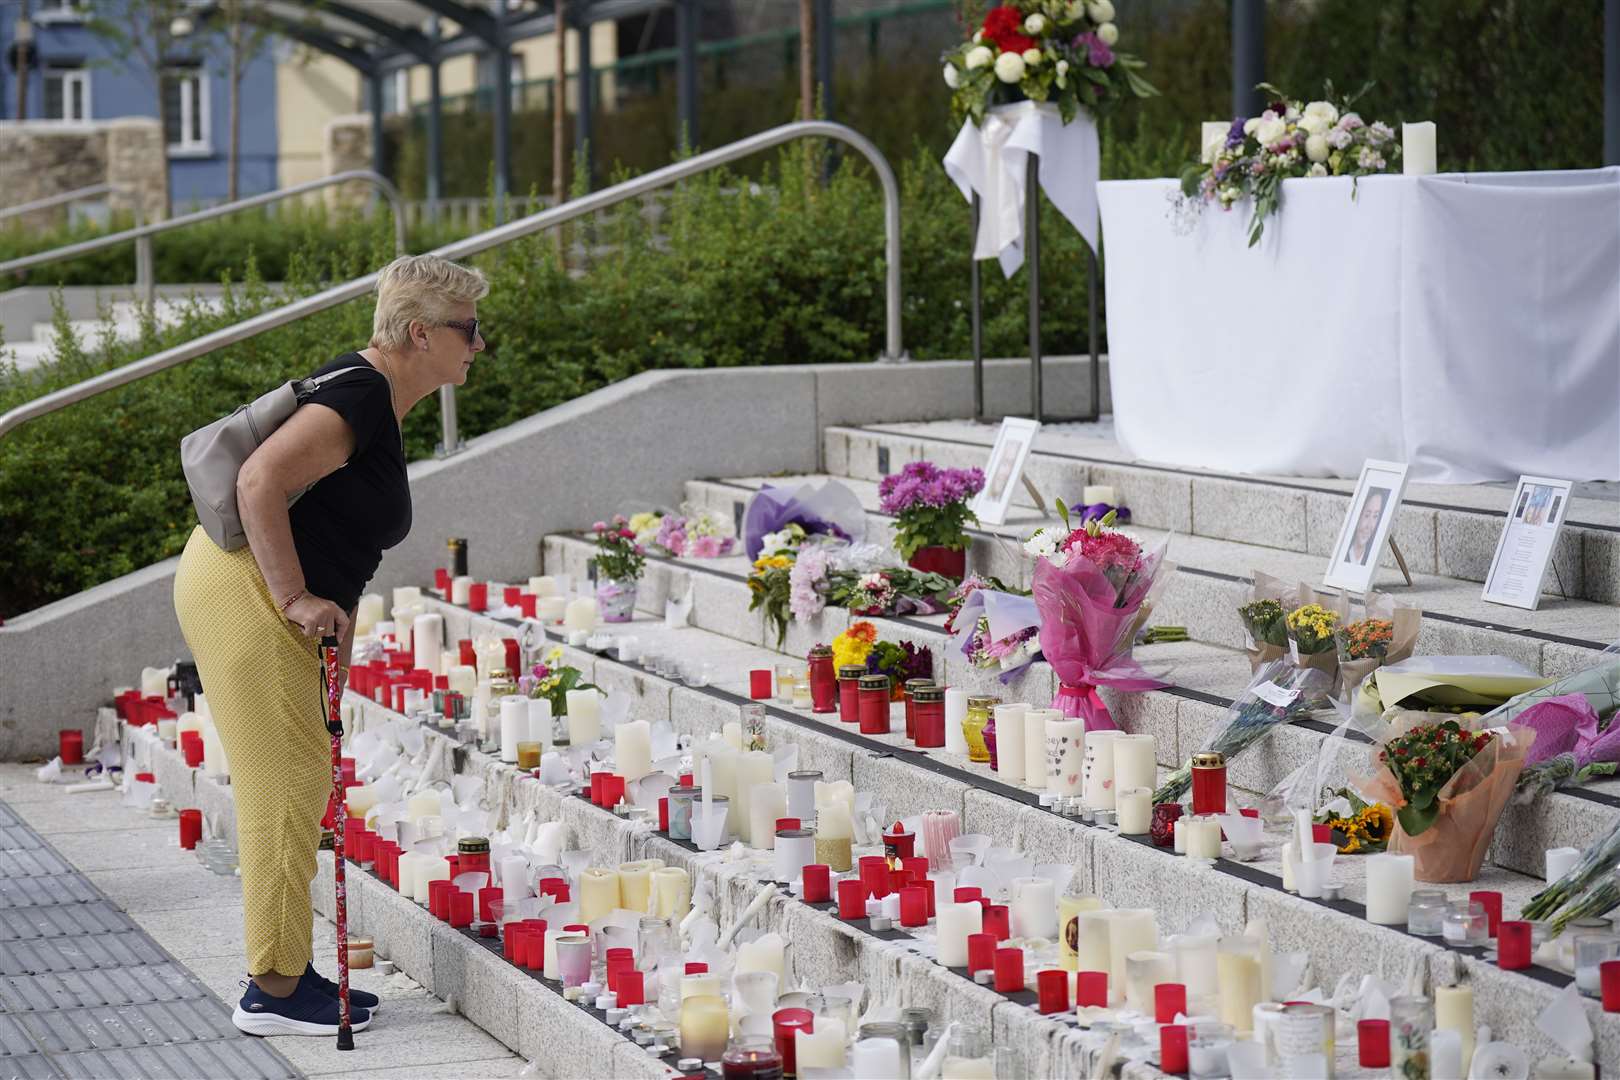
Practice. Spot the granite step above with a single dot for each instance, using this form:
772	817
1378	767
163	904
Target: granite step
1448	530
1560	638
1182	717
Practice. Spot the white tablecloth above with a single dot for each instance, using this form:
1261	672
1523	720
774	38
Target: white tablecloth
1466	324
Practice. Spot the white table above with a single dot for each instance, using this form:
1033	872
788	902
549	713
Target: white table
1466	324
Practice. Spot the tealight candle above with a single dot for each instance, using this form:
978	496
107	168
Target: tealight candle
584	717
955	923
1134	762
632	749
1066	756
1098	770
1010	756
1389	888
598	894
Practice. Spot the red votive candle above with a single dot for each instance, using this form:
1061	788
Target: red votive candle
760	683
899	879
1493	906
534	946
995	921
1513	945
817	883
663	813
528	604
509	941
70	744
899	844
783	824
1009	970
631	990
1173	1048
875	876
352	828
913	906
486	898
439	898
696	967
510	595
981	952
469	656
190	828
1052	989
1168	999
441	579
478	596
1372	1043
616	967
191	746
967	894
1322	834
874	704
1609	973
1091	988
1253	811
596	787
514	656
927	885
917	864
461	908
851	899
554	887
787	1023
612	790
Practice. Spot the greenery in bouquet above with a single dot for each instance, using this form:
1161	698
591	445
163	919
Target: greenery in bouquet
1263	619
770	587
551	679
1587	891
895	591
930	505
1364	639
898	660
1058	51
1115	554
618	555
1311	628
1365	830
1423	760
1290	139
1585	750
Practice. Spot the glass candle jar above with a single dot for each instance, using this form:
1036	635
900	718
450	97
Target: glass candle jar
786	676
968	1056
1467	924
680	812
973	725
1208	783
1592	949
1411	1023
823	680
910	690
874	704
528	755
928	705
849	689
1206	1050
473	855
1162	827
1426	912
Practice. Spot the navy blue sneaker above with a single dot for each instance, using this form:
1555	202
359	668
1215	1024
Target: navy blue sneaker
306	1011
357	998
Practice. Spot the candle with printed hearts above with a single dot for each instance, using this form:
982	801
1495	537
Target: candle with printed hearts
1065	756
1098	771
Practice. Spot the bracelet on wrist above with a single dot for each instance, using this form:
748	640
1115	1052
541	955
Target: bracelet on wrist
290	601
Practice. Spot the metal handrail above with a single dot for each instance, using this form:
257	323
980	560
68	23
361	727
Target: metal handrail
142	234
473	245
49	201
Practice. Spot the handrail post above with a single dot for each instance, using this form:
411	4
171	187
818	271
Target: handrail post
145	282
450	440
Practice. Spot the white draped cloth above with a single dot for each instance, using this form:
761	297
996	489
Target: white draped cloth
1468	324
991	162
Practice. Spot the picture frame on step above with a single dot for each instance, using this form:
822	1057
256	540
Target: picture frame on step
1529	539
1005	469
1367	526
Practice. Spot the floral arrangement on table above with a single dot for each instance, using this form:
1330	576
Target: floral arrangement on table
899	661
620	560
1359	827
1061	51
551	679
1093	589
1289	140
969	619
930	505
695	534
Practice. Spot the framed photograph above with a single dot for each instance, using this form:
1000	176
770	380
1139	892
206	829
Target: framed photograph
1527	543
1005	469
1366	526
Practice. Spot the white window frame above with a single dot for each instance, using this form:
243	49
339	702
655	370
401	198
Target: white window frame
188	147
70	76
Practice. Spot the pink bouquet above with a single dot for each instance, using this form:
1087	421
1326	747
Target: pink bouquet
1094	589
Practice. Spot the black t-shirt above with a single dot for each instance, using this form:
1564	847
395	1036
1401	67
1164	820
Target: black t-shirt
346	521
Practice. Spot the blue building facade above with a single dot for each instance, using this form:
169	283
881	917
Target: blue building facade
77	76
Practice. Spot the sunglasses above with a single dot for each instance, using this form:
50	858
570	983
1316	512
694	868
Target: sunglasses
466	326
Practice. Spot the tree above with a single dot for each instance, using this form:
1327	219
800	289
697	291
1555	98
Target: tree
144	39
234	41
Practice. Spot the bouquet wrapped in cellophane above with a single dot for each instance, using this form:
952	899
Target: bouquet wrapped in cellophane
1386	633
1576	736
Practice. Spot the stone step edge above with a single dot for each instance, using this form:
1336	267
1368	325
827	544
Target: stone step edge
990	538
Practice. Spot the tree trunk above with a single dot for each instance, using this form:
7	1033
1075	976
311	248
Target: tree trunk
559	108
807	60
233	163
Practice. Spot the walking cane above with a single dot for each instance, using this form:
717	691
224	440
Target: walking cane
334	725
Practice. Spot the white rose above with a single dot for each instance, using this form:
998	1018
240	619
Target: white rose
1009	67
1315	125
1108	34
1269	131
1324	109
1100	12
1316	148
1291	114
979	56
953	78
1035	24
1032	57
1075	10
978	36
1248	125
1317	170
1062	67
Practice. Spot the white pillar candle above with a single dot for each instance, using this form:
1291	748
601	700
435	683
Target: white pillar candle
406	595
1454	1011
1136	811
635	884
581	614
723	772
514	884
1069	908
359	800
514	725
598	893
754	768
584	717
955	713
491	653
1010	742
1098	773
155	682
731	732
764	953
427	642
766	803
1134	763
1445	1055
461	590
793	854
822	1048
1093	932
1196	964
551	609
368	614
1034	908
632	749
167	729
1065	757
214	762
1144	970
1418	148
1204	837
408	861
548	960
463	679
405	626
423	804
1389	888
1560	861
1035	744
801	795
1132	930
540	723
672	893
542	586
437	868
961	1068
878	1059
955	922
1237	972
1179	835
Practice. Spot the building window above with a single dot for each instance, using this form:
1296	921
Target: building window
67	94
185	110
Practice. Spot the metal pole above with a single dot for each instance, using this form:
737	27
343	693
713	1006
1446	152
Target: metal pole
144	273
374	86
1032	263
503	121
584	119
1611	82
824	56
976	323
435	146
1091	329
1248	55
687	29
449	438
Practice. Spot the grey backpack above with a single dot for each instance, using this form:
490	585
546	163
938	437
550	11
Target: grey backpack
211	456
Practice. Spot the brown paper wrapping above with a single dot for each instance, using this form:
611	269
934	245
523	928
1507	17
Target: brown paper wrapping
1405	622
1453	848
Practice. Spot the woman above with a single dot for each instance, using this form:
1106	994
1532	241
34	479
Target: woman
1372	512
252	617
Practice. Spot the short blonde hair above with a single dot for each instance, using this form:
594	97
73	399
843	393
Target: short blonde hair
424	289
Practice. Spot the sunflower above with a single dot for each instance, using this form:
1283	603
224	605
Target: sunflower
1376	822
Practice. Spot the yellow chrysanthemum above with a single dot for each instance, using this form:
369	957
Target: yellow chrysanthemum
854	645
773	562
